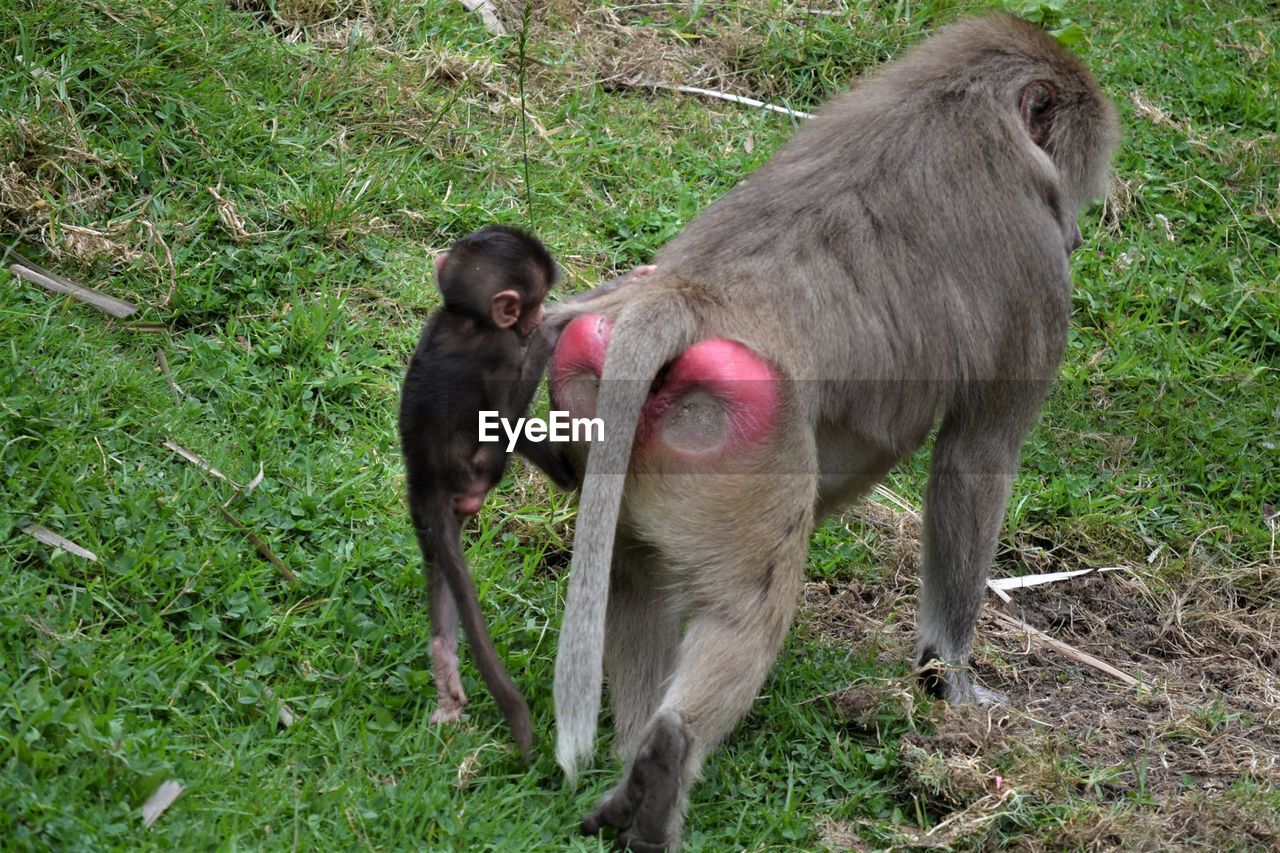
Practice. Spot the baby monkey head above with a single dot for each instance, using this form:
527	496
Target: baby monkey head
497	276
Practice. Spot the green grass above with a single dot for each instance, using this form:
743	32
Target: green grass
349	155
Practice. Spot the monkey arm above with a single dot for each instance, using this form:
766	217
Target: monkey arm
537	356
594	300
553	463
620	281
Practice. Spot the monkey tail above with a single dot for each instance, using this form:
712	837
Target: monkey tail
651	330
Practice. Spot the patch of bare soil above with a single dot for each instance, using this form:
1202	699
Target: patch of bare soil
1160	764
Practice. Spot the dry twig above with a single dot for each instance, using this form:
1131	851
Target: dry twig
158	802
51	281
1024	581
261	546
488	14
230	218
1064	648
199	461
735	99
48	537
284	713
168	375
640	83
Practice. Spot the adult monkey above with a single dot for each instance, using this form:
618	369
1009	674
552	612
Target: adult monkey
903	259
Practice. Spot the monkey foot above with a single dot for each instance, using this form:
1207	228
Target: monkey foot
449	691
644	808
449	711
983	696
954	684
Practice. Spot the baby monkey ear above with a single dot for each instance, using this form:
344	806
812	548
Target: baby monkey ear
504	307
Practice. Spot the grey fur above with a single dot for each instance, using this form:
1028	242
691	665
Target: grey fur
903	259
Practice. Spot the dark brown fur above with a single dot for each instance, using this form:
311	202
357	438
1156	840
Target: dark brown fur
471	357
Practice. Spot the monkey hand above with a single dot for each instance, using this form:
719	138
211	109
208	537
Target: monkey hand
561	472
954	684
551	461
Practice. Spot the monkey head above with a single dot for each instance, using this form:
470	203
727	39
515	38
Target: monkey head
498	276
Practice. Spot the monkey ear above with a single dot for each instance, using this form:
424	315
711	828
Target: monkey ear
1036	107
440	259
505	308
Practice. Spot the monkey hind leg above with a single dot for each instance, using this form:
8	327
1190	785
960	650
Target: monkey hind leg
642	636
495	676
741	610
453	599
450	696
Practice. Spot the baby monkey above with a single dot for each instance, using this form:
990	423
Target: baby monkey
479	352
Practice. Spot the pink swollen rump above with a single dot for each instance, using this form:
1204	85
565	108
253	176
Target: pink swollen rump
717	395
